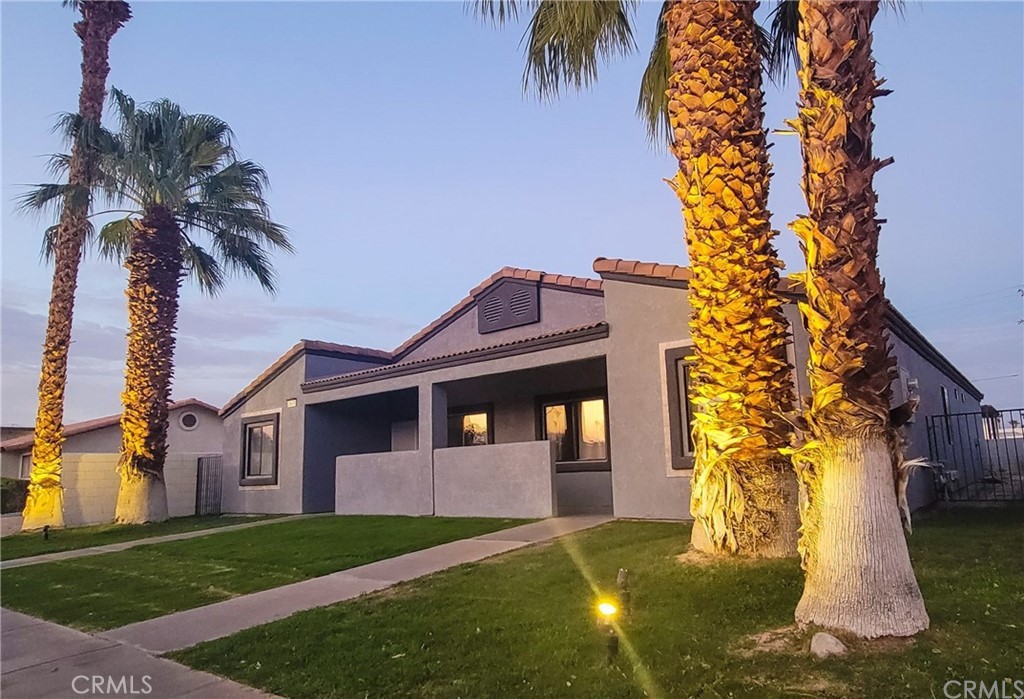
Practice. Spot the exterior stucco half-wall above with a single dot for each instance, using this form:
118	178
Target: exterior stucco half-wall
495	480
385	483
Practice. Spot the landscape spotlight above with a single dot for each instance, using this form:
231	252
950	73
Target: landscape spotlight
607	609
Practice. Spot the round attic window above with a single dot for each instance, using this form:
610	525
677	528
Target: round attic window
188	421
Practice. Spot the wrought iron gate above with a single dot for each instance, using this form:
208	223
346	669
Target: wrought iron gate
979	456
209	480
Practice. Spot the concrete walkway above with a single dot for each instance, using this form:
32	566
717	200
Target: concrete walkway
123	545
187	628
40	660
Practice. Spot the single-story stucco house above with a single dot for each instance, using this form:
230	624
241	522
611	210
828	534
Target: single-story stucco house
537	394
89	466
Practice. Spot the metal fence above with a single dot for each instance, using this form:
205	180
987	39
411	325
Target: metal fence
978	456
209	481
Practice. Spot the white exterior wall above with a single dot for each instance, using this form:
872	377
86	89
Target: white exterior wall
91	482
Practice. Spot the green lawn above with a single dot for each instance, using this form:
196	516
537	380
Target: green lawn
113	589
522	625
33	544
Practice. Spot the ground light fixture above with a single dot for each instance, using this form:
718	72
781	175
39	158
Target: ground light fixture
607	611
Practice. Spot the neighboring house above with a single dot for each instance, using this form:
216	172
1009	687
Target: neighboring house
90	456
537	394
12	431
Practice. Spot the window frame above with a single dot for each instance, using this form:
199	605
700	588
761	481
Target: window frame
274	419
24	473
464	410
572	402
682	456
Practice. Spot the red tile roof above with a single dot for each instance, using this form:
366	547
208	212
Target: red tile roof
655	270
635	268
561	280
26	440
587	332
329	348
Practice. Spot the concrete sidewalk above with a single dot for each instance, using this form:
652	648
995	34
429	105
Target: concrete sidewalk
40	660
123	545
187	628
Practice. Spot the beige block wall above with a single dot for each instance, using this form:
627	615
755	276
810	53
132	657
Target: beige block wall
91	482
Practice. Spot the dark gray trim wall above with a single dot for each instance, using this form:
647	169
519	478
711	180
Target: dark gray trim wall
680	460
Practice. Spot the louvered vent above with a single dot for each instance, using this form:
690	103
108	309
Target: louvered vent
508	305
521	303
493	309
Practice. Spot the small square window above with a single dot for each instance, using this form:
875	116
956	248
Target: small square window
470	427
259	450
25	468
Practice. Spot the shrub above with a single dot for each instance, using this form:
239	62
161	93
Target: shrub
12	495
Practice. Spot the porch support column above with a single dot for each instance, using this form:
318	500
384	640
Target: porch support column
433	425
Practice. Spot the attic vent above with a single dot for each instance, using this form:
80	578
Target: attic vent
520	304
492	310
508	304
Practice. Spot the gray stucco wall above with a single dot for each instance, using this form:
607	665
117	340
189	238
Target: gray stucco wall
584	492
921	489
641	318
559	310
318	366
496	480
286	495
388	483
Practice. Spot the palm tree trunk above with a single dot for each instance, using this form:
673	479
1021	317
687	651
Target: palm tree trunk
858	572
45	503
743	493
155	271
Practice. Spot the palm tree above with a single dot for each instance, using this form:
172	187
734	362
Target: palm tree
702	90
175	176
858	572
45	503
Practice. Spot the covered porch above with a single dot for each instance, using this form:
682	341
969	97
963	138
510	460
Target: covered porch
528	442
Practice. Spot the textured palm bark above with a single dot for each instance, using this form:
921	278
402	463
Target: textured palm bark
45	503
155	272
743	491
858	572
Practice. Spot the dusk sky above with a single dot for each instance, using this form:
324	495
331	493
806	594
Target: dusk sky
409	166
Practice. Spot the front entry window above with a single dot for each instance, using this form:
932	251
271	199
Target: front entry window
578	429
469	428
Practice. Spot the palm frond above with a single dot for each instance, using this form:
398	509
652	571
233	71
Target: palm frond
652	104
242	256
203	268
51	197
781	54
498	12
567	40
114	239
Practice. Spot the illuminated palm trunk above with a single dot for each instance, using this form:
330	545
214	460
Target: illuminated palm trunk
154	277
45	503
743	494
858	572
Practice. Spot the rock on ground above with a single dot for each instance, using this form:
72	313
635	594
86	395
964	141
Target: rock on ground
824	645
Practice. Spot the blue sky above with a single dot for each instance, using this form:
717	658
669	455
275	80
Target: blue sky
409	166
